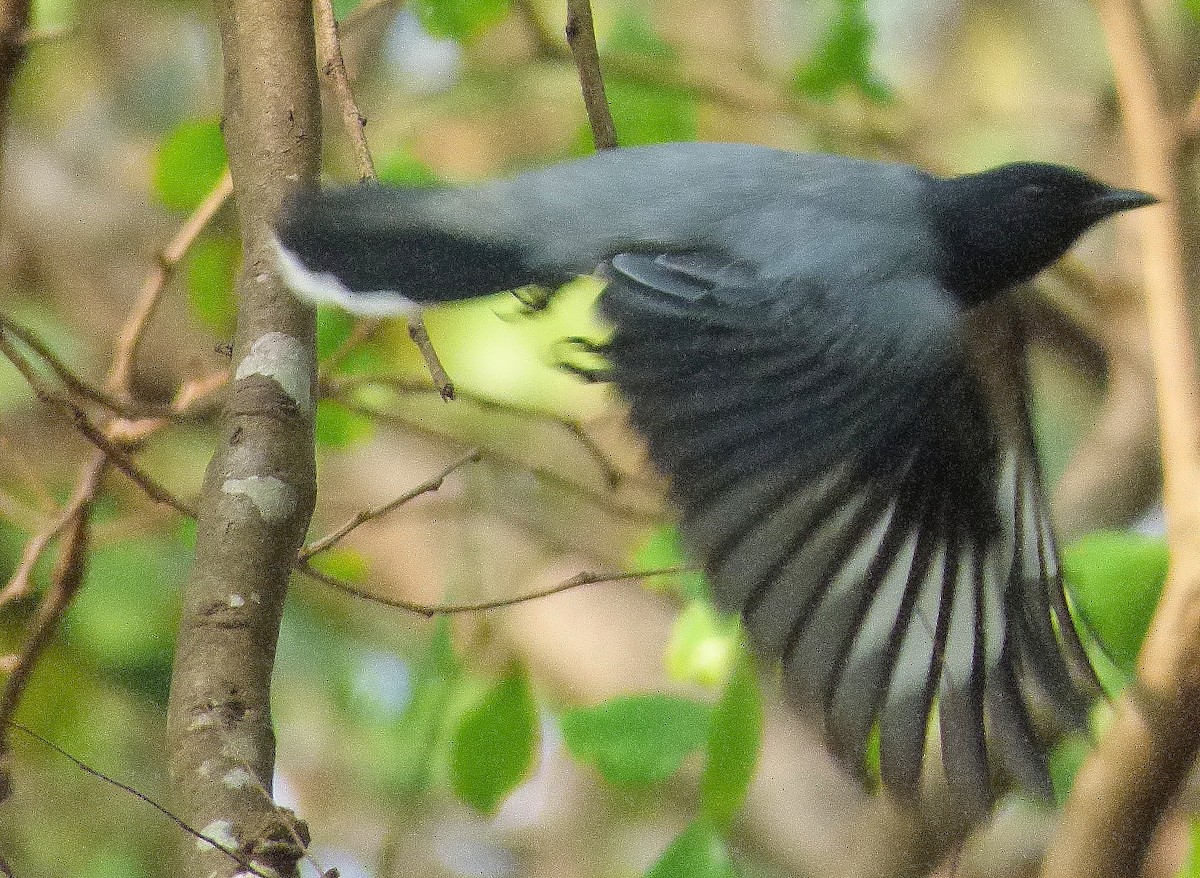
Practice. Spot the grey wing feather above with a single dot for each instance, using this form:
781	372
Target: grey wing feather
843	482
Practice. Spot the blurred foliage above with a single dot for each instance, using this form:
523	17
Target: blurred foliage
494	743
843	58
191	159
636	739
386	723
464	20
1116	579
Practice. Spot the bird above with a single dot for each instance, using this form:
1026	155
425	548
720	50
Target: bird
791	333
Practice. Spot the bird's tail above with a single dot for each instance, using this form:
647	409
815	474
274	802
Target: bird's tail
380	250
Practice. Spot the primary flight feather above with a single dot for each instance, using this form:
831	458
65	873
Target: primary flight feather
789	330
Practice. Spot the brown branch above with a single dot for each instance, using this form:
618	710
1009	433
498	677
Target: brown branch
430	610
602	499
1124	788
338	388
420	336
120	378
76	385
581	37
141	797
333	66
362	517
120	460
260	485
64	583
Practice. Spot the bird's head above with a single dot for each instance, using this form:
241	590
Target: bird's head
999	228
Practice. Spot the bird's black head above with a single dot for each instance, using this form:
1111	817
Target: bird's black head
1001	227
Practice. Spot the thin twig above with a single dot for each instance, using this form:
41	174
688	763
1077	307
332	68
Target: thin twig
64	583
1125	787
430	610
63	372
581	37
120	379
363	516
600	498
141	797
333	66
120	460
338	388
420	336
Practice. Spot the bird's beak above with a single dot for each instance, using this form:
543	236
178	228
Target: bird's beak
1117	200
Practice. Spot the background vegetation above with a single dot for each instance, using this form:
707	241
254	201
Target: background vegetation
608	729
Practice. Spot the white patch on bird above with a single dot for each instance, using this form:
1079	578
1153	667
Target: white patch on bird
960	650
325	288
911	669
221	832
881	617
274	498
284	360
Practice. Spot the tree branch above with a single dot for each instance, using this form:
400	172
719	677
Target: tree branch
581	37
259	487
1123	789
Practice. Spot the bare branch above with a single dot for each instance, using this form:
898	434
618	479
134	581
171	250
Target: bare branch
420	336
339	388
362	517
120	378
333	66
581	37
141	797
430	610
1124	788
64	583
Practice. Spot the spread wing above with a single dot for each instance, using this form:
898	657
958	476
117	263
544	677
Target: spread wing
850	491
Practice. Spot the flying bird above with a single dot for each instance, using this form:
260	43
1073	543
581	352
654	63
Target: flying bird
790	333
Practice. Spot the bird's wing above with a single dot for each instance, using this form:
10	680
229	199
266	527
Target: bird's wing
843	478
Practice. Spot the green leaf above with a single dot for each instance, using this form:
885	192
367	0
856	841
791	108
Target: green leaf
664	548
734	736
843	58
402	168
1116	579
637	739
697	852
407	765
461	20
492	750
703	644
191	160
124	616
1193	7
633	34
210	272
342	563
338	427
342	8
1191	866
1065	761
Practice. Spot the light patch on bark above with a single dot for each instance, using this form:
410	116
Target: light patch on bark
274	498
238	778
236	600
220	831
282	359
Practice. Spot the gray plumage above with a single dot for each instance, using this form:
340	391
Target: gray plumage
789	331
